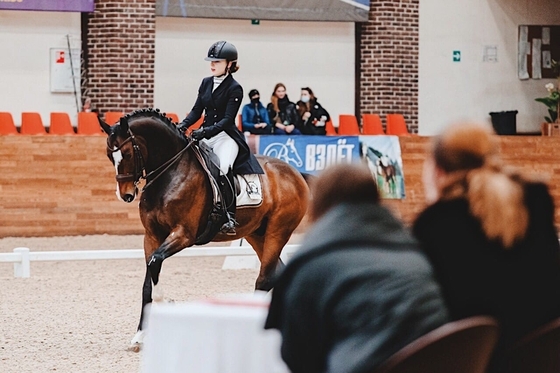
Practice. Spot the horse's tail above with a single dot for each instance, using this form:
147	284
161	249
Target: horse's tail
309	178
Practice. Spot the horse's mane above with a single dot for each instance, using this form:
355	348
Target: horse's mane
152	113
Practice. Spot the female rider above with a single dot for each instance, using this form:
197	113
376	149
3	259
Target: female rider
219	97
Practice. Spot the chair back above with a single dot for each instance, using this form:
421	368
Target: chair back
396	125
112	117
348	125
329	127
174	117
61	125
32	124
371	125
7	126
88	124
463	346
240	122
538	352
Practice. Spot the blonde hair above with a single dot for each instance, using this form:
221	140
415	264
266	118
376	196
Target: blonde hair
467	154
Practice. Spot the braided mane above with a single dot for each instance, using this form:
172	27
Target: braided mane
151	113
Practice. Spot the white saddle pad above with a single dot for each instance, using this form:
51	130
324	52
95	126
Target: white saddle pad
251	190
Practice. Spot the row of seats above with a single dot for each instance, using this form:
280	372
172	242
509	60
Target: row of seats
371	125
466	346
60	124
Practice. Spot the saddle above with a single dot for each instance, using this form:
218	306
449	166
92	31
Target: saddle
222	193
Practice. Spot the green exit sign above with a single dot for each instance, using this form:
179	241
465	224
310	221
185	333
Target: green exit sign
456	56
255	21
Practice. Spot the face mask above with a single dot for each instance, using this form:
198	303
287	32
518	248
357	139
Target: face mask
305	99
255	100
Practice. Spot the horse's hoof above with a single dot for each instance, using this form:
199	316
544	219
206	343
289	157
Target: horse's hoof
135	347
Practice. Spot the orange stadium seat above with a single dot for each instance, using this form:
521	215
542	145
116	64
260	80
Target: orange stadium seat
329	127
112	117
88	124
348	125
372	125
32	124
61	125
174	117
396	125
7	126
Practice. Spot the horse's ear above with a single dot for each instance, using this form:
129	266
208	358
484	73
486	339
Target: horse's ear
104	125
124	124
290	142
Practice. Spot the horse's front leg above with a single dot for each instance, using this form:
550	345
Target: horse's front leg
138	339
175	242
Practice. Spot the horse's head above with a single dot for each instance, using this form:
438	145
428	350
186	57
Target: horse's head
127	153
138	145
293	155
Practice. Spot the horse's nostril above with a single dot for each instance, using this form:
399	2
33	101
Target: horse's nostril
128	198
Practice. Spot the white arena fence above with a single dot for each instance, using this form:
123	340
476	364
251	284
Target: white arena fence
22	256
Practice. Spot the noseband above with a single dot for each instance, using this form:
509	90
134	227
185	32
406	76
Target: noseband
139	167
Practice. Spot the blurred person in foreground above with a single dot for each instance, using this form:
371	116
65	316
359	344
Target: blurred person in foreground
489	234
359	289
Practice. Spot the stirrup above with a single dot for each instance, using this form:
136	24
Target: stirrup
229	228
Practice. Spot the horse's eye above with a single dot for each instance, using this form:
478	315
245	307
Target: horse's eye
127	156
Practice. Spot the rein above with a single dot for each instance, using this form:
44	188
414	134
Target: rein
139	166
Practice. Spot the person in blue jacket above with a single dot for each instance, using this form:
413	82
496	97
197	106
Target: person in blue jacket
255	116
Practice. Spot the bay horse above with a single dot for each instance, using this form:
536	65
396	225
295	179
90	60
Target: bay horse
177	198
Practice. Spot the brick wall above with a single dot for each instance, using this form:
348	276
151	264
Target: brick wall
65	185
120	55
388	57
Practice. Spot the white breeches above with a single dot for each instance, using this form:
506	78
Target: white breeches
225	148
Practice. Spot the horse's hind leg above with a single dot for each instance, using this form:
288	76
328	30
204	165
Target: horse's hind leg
268	248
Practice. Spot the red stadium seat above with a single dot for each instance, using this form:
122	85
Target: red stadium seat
396	125
7	126
112	117
32	124
61	125
348	125
372	125
88	124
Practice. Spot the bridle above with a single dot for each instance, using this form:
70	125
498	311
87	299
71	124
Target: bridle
139	164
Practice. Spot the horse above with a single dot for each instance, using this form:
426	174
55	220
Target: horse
177	198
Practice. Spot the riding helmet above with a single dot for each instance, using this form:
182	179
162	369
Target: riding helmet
222	50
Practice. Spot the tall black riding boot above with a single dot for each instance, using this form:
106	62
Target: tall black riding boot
230	199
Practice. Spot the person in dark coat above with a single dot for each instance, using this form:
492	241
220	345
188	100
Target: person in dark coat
255	117
359	289
282	112
219	97
312	116
490	235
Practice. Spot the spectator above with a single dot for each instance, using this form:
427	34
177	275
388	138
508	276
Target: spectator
255	116
282	112
359	289
490	235
313	117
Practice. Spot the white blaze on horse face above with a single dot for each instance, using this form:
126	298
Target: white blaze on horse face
117	158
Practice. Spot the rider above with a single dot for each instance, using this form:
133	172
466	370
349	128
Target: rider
219	96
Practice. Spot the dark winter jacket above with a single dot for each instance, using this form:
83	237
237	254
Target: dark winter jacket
312	126
287	113
253	114
220	111
356	292
519	286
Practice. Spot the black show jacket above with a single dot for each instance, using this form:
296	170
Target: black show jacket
220	110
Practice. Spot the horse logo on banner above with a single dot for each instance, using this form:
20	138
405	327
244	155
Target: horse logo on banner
286	152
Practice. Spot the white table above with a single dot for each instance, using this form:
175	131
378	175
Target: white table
222	335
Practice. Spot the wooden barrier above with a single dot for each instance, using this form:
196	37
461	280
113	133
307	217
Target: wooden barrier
65	185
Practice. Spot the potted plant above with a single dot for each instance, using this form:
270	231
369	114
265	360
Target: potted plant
552	101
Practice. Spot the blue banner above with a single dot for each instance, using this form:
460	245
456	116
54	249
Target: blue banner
311	154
